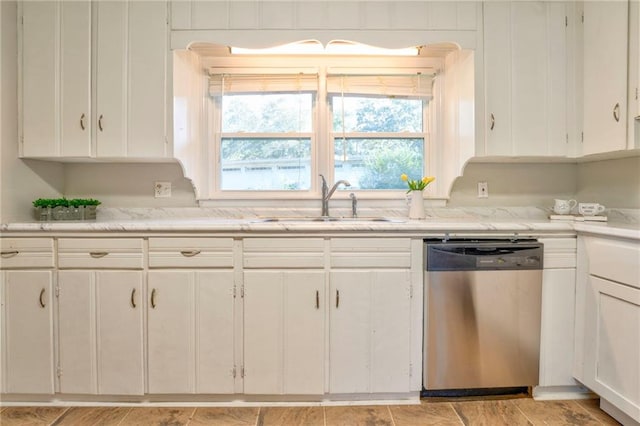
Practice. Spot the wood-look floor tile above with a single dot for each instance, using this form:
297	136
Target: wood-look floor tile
592	406
32	416
95	416
490	413
370	415
556	413
426	413
238	416
169	416
291	416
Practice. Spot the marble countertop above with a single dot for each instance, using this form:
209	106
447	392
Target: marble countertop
445	221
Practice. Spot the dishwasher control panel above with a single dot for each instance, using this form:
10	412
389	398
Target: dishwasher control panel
483	255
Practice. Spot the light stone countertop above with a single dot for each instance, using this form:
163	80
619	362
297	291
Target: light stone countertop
455	222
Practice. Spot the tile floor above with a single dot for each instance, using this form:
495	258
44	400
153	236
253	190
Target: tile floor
490	412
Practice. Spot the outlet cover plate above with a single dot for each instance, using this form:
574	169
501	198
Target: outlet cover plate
483	190
162	189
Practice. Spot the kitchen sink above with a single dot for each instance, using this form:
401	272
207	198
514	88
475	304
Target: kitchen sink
327	219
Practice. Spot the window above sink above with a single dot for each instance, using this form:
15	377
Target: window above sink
271	125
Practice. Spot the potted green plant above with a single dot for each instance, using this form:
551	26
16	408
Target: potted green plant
64	209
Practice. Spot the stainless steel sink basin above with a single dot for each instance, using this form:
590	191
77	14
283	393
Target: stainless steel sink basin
328	219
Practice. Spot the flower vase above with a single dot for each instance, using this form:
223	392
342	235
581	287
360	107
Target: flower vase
416	208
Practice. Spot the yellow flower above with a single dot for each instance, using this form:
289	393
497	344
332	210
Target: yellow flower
404	177
417	185
428	179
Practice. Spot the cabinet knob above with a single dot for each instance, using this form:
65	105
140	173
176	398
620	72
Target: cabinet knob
82	120
493	122
616	112
100	122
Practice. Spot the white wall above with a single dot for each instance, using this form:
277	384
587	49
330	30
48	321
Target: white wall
21	182
515	184
614	183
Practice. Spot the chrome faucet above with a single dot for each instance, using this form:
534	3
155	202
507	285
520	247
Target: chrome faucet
327	193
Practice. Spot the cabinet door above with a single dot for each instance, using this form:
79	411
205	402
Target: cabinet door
370	329
557	328
191	332
215	332
77	332
100	332
28	332
75	75
525	78
120	364
605	76
284	332
616	340
131	88
39	85
56	79
170	328
111	78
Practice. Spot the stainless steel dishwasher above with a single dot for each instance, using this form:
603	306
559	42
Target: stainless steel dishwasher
482	314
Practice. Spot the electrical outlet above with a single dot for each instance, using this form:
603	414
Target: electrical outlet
483	190
162	189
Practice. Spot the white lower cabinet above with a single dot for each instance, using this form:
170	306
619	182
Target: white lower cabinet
369	332
558	316
100	320
608	324
191	331
284	336
27	334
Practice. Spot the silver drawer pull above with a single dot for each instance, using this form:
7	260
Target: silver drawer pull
98	254
7	254
190	253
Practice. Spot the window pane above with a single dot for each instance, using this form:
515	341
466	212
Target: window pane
265	164
267	113
378	163
376	114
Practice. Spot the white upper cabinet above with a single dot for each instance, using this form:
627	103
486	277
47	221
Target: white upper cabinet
94	80
634	76
56	79
605	36
525	78
323	15
131	79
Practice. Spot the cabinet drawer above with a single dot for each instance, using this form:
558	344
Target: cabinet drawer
615	260
283	253
370	253
559	252
121	253
191	253
26	253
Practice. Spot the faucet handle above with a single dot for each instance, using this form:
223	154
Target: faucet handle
324	183
354	205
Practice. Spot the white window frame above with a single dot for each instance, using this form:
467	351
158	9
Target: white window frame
322	159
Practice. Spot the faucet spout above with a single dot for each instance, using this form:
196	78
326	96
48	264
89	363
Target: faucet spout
327	193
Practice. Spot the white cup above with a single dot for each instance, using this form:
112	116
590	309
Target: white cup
590	209
564	206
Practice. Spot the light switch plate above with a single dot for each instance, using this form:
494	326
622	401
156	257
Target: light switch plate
162	189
